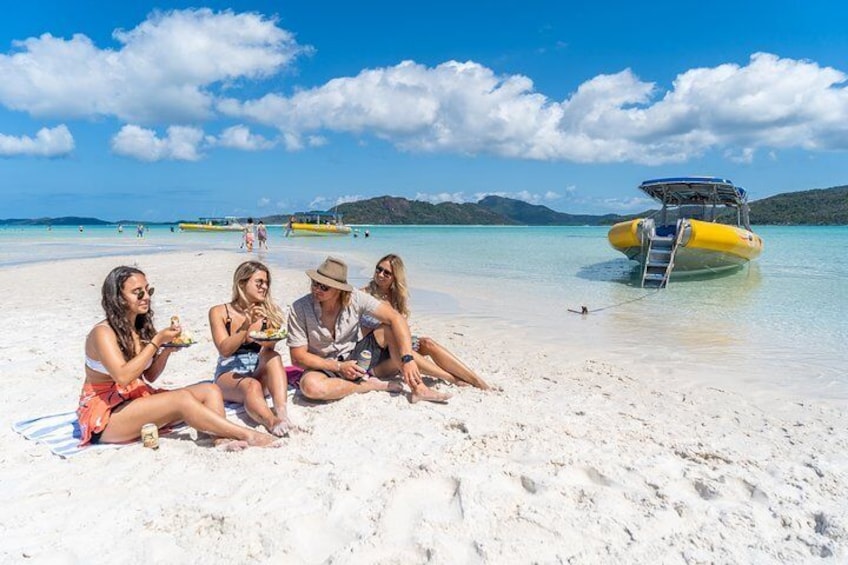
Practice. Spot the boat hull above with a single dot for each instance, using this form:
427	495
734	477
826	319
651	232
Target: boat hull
311	230
704	246
209	228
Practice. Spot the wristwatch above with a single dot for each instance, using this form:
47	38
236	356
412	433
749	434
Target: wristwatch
406	359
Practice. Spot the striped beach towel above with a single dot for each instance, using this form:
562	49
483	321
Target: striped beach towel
61	432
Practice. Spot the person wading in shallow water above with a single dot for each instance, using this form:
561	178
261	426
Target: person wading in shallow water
262	235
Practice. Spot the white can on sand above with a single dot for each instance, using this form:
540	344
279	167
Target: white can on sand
150	436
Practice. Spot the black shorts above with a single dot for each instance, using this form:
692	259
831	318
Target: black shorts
367	343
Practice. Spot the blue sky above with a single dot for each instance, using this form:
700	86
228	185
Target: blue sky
163	111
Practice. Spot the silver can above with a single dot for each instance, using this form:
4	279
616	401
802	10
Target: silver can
364	360
150	436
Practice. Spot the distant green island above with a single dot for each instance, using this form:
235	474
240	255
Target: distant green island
828	206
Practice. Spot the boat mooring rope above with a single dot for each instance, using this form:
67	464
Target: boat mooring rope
585	309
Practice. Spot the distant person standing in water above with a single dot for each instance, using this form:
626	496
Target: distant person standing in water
248	235
139	230
290	227
262	235
120	228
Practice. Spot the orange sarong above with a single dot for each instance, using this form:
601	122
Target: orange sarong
97	400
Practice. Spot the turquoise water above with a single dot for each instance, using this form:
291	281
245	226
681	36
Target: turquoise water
779	322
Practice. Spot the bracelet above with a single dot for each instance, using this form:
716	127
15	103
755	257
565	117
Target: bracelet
338	366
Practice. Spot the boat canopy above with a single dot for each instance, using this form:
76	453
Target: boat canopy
681	191
218	221
317	216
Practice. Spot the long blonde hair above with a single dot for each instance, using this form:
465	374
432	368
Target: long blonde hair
240	278
398	291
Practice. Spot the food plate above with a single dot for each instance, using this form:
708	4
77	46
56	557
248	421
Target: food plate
268	335
179	345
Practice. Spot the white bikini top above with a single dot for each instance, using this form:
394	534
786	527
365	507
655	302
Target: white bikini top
96	365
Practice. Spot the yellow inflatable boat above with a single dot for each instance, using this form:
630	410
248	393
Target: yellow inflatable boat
684	237
316	223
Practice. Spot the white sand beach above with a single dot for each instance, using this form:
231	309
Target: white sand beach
571	459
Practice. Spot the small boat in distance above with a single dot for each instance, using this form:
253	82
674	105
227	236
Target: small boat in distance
684	237
227	223
316	223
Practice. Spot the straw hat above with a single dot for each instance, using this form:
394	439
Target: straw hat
332	272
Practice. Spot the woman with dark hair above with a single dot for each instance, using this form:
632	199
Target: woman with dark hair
123	353
248	368
389	284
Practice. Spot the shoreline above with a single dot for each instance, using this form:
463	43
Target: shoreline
574	457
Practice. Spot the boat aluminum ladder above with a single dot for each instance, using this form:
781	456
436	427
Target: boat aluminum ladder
659	258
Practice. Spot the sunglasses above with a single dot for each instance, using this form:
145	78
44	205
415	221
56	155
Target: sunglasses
261	283
319	286
140	292
380	270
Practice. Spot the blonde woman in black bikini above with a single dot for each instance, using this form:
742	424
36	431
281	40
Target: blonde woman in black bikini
247	369
389	284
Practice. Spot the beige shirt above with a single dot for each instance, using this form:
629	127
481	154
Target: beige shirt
305	326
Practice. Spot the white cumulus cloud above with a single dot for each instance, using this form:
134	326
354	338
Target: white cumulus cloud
187	67
466	108
240	137
180	144
48	142
163	71
439	197
348	198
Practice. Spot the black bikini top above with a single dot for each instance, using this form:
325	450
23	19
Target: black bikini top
244	347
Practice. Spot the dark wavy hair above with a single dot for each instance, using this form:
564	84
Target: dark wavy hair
115	306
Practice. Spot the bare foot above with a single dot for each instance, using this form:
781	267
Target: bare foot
424	393
283	427
482	385
225	444
476	382
377	384
258	439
